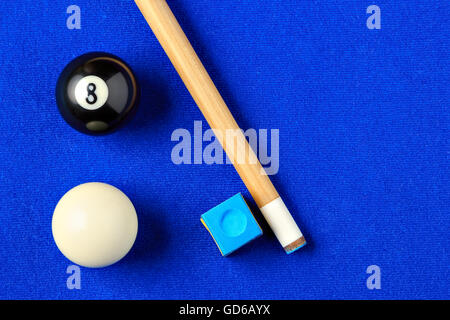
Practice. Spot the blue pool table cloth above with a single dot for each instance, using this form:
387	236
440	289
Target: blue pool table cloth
363	118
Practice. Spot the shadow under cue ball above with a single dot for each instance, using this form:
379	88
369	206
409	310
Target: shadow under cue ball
94	225
96	93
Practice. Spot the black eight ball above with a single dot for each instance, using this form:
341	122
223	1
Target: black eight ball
96	93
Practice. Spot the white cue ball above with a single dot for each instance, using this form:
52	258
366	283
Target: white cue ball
94	225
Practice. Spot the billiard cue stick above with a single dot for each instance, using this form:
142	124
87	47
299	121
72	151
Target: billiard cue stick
194	75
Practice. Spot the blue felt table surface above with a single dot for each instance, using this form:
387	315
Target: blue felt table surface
364	148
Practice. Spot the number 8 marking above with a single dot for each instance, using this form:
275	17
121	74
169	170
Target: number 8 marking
91	92
92	97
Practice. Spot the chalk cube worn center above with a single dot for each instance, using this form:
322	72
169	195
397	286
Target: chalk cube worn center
231	224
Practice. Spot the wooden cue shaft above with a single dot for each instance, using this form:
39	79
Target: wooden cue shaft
180	52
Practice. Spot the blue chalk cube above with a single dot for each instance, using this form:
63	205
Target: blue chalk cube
231	224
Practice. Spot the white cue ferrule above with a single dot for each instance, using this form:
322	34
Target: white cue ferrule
281	222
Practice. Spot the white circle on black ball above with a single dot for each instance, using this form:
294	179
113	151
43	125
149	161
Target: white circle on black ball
91	92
